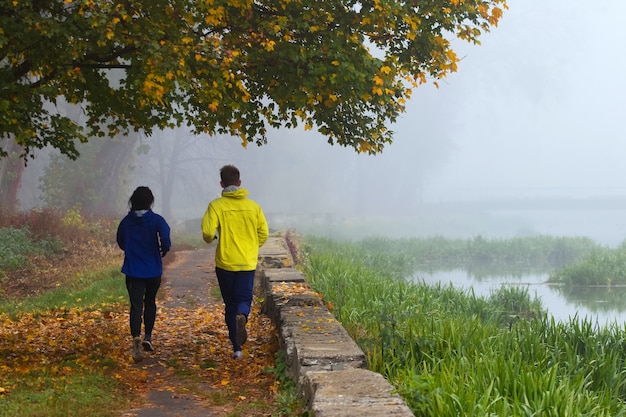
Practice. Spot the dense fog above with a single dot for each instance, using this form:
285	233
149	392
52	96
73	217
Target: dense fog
525	138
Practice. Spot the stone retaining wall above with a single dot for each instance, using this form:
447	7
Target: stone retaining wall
329	367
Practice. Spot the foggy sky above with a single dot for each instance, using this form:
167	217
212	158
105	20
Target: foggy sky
539	106
537	109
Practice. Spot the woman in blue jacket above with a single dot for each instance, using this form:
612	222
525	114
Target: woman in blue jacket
144	236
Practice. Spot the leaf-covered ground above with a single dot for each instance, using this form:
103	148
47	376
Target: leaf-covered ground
191	373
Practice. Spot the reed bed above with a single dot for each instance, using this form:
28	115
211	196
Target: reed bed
603	266
451	353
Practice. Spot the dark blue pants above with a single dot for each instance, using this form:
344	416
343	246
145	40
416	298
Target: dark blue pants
236	288
142	293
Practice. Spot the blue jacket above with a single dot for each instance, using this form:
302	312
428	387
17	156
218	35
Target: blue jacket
144	236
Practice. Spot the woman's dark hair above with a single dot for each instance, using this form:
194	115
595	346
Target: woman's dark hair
142	199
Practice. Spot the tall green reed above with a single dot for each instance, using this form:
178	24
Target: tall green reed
450	353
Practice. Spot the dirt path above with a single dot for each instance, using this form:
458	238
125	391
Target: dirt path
192	372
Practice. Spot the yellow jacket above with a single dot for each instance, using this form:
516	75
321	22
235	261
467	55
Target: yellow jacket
241	229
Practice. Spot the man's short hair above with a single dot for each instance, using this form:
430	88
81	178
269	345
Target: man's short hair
229	175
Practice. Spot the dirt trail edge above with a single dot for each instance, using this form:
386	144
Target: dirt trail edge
192	372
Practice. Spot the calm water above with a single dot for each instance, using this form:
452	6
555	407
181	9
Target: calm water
601	305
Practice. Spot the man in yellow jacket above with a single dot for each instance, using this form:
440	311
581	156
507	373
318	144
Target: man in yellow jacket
241	229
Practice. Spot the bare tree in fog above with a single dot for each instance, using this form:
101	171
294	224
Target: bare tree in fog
95	180
178	165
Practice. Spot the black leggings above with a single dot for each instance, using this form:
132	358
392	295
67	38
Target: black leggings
142	293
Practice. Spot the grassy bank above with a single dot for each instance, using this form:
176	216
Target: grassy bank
451	353
63	350
62	309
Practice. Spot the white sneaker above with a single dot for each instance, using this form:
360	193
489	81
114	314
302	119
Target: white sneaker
237	355
137	353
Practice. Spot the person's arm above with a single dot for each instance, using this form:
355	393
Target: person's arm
120	235
262	229
164	237
209	225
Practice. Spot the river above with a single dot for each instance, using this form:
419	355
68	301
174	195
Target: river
600	305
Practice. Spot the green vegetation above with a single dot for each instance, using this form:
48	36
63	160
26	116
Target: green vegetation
450	353
52	394
478	256
604	266
91	291
16	245
289	401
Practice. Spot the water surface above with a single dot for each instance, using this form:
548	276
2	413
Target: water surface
601	305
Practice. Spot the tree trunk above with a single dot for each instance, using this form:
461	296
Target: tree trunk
11	169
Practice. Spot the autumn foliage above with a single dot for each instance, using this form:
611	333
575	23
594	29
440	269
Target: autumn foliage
78	69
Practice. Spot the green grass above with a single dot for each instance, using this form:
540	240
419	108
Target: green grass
89	290
450	353
42	393
289	402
